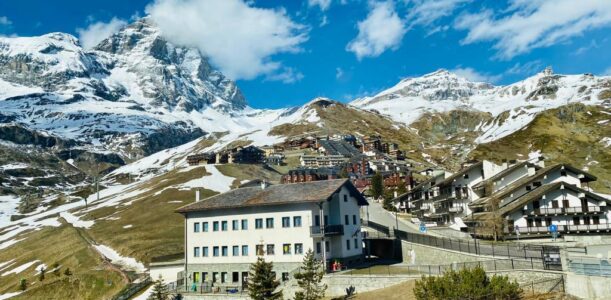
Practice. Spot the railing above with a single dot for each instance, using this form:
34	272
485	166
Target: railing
456	209
234	288
329	230
566	210
565	228
548	255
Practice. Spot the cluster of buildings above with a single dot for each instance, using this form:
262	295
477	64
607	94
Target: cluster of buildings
236	155
513	198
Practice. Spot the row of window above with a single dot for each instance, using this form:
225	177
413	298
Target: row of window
346	220
224	277
243	224
261	249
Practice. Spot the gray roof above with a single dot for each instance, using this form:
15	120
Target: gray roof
315	191
339	148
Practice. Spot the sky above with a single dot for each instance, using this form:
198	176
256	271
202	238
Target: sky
285	53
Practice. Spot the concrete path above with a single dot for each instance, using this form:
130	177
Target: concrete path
376	213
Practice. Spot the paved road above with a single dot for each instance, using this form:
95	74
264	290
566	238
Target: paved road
376	213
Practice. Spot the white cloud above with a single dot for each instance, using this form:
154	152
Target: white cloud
475	76
239	39
5	21
322	4
381	30
98	31
339	73
526	25
287	75
527	68
426	12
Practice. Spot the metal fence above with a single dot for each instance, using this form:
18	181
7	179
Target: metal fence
549	255
487	265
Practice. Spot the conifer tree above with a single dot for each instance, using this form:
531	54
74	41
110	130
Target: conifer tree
160	290
23	284
262	281
309	278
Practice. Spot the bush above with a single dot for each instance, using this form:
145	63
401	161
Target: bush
467	284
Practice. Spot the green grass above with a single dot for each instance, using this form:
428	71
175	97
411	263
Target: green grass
65	246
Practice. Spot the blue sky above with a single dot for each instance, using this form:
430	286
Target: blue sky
284	53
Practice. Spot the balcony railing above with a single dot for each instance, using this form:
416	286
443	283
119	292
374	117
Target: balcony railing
456	209
565	228
566	210
329	230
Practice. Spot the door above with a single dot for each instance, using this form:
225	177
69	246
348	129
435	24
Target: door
586	220
565	203
554	203
196	277
529	222
244	280
536	206
538	222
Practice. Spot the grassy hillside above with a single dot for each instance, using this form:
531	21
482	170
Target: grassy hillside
573	134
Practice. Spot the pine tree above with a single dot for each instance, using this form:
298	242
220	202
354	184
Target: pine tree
309	278
262	281
23	284
160	290
377	186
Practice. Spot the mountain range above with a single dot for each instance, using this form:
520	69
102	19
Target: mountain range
127	112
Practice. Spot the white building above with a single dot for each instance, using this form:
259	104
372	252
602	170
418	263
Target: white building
536	197
224	234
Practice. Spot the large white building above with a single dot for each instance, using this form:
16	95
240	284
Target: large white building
224	234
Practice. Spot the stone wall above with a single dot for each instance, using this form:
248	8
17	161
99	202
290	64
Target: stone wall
426	255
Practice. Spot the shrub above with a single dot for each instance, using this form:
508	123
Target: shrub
466	284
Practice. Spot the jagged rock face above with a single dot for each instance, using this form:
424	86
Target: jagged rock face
172	76
134	93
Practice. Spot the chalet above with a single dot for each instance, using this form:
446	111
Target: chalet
323	160
226	233
311	174
417	199
558	195
275	159
205	158
240	155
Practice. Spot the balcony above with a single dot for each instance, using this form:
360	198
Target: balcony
456	209
567	210
329	230
604	227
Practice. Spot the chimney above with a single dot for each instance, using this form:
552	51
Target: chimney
196	195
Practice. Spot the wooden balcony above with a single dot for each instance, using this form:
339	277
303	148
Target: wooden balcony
567	210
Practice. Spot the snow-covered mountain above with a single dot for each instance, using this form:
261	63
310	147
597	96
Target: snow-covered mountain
134	93
512	106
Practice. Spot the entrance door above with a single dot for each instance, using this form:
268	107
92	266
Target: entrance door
584	205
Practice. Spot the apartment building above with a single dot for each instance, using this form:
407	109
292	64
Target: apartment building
224	234
535	197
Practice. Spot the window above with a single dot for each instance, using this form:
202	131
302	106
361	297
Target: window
356	243
586	220
235	225
204	276
244	250
258	223
297	221
554	203
346	220
224	226
196	277
225	250
286	222
196	227
236	251
205	251
215	277
298	248
286	249
575	220
354	219
345	198
260	250
347	244
316	220
223	277
595	220
285	276
215	251
196	251
270	249
318	247
215	226
327	247
269	223
205	226
244	224
235	277
466	176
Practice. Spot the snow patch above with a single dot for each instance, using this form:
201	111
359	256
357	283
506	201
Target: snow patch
9	295
128	226
21	268
216	181
126	262
76	221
